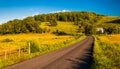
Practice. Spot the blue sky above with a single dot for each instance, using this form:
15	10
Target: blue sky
18	9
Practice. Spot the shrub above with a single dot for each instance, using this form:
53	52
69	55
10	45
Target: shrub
57	32
34	46
77	36
7	40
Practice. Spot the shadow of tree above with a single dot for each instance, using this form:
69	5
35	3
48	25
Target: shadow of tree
83	62
117	21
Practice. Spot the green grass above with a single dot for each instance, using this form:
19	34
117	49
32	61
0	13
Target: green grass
39	48
66	27
106	56
40	43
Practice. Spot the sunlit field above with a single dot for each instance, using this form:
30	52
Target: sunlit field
111	39
67	27
18	40
106	52
40	44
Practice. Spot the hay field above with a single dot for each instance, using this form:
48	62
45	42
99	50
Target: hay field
19	40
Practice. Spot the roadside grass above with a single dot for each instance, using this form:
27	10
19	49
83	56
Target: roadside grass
40	44
22	39
106	53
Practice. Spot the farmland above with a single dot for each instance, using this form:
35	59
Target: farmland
18	40
43	33
111	39
43	42
106	52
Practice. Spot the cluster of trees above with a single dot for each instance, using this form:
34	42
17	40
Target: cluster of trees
111	28
76	17
20	26
86	20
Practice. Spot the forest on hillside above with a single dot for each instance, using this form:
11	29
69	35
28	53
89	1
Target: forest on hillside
86	21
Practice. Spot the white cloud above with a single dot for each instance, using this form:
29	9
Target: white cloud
60	11
37	13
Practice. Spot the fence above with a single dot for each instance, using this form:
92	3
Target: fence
16	52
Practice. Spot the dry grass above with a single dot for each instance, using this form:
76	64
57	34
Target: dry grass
67	27
44	42
107	52
111	39
20	40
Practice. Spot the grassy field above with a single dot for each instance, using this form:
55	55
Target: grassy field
111	39
43	42
106	52
40	43
66	27
18	40
107	19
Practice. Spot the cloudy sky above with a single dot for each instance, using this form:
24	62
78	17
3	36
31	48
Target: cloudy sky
18	9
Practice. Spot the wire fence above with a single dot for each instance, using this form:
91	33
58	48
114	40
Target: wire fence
15	52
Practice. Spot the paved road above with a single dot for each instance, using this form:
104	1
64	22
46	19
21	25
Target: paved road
76	56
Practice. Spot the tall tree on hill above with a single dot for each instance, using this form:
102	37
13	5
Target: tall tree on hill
53	21
31	25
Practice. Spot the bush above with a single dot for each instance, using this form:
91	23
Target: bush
77	36
57	32
7	40
34	46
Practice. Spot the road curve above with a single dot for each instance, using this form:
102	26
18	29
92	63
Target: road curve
76	56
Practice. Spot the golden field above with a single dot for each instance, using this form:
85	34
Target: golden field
42	43
106	53
111	39
19	40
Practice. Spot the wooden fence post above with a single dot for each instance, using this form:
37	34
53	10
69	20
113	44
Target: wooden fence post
29	47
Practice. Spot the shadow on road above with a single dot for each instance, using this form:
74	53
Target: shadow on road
82	62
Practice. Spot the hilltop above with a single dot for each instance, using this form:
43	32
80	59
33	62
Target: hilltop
86	21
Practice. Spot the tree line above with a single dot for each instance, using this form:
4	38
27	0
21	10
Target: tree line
111	28
85	20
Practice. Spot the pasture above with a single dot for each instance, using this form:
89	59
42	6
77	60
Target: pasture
40	44
106	53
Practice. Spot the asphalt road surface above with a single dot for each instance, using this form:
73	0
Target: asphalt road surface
76	56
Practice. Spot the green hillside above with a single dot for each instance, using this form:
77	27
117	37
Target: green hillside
110	24
33	24
106	19
82	22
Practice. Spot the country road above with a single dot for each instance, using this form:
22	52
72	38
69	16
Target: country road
76	56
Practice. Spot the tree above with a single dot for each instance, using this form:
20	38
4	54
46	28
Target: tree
53	21
32	23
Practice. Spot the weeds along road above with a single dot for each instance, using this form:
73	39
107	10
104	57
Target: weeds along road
76	56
